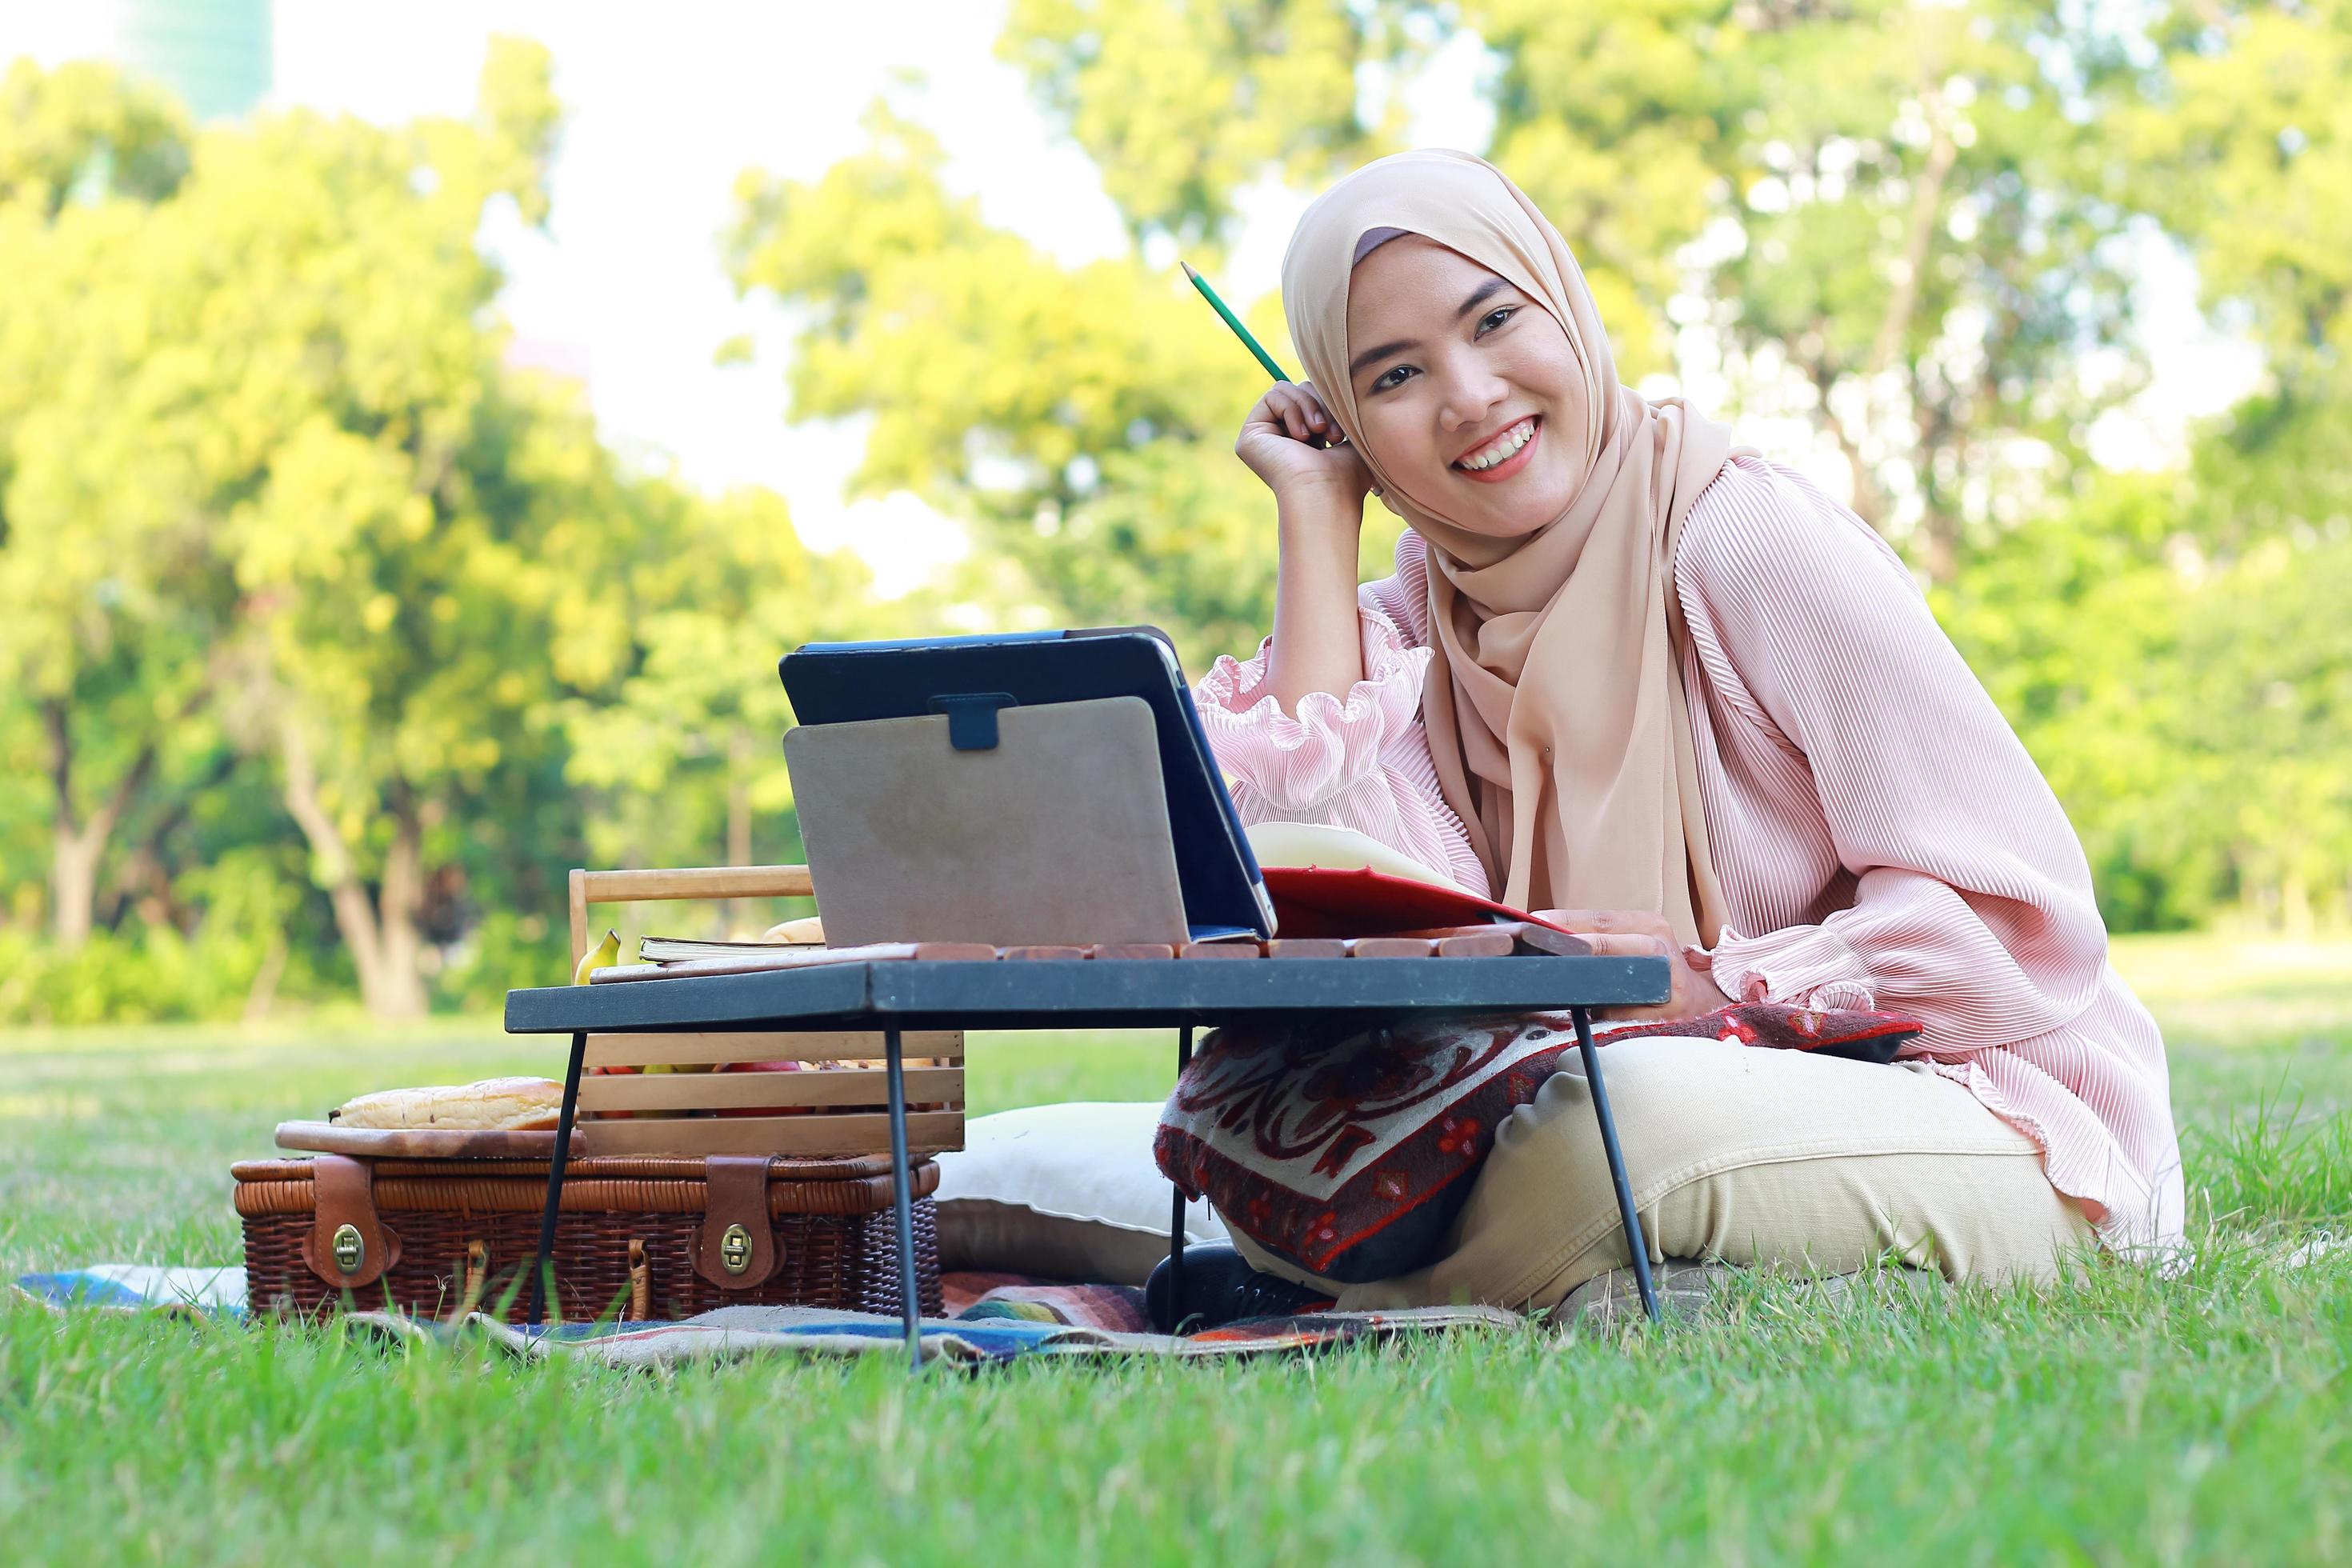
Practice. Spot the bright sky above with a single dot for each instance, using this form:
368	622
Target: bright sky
664	105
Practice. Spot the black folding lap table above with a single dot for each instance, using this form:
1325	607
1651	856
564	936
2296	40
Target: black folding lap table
895	995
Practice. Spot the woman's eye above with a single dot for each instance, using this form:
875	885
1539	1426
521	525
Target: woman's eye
1393	379
1496	317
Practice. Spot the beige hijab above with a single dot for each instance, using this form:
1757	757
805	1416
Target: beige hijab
1555	703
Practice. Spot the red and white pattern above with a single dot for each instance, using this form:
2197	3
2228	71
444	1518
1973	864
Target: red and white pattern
1348	1152
1875	824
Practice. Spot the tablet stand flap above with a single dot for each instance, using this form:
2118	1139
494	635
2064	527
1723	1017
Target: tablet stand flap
1057	834
971	717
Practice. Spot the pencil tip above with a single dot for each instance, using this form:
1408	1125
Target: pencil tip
1187	270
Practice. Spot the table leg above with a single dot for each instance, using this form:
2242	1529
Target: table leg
1176	1220
1637	1246
543	1265
910	1299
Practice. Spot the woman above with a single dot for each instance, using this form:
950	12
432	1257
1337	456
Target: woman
1629	673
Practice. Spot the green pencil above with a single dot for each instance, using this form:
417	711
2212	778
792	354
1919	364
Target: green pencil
1234	322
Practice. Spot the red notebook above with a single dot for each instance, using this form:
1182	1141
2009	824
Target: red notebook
1314	901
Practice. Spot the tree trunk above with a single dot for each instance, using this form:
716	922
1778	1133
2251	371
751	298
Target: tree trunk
386	991
264	990
73	882
739	913
1919	239
142	874
1869	503
2297	916
77	846
399	904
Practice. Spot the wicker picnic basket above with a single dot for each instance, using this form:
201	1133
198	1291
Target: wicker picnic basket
642	1238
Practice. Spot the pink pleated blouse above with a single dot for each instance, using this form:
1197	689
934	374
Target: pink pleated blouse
1882	838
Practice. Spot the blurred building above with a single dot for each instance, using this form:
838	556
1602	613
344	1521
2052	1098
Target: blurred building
215	54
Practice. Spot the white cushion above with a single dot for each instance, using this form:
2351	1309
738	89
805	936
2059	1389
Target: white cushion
1063	1192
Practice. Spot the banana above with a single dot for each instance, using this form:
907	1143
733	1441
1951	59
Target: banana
603	955
606	954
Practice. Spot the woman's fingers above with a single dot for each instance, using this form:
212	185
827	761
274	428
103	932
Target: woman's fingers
1295	411
1628	944
1318	417
1585	921
1296	408
1293	417
1304	412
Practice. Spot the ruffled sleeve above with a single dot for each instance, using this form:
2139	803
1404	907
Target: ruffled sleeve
1362	763
1299	764
1809	965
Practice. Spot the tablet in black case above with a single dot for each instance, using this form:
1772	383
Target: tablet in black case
836	683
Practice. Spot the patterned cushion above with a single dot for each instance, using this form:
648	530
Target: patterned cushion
1348	1154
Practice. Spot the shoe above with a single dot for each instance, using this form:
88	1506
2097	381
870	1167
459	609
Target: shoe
1220	1288
1684	1286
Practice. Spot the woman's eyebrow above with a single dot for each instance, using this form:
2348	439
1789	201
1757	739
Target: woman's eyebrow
1478	297
1356	367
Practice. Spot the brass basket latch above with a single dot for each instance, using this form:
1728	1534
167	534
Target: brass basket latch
735	1249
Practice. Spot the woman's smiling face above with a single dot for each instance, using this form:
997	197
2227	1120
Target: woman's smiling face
1469	391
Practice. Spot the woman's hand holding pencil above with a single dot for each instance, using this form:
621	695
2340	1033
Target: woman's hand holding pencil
1295	446
1290	440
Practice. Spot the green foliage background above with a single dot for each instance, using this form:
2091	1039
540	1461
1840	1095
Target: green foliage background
330	639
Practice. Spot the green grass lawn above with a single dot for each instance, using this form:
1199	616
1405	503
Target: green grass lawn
2118	1418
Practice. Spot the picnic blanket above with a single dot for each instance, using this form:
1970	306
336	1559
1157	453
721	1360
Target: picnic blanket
993	1318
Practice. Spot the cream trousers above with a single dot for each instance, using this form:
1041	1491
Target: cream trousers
1750	1155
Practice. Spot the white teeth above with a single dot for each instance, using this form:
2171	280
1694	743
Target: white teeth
1505	445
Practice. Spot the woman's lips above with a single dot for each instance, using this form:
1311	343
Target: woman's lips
1510	464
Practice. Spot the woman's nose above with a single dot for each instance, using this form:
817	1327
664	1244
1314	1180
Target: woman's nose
1468	396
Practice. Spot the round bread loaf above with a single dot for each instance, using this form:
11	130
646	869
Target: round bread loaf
806	930
493	1105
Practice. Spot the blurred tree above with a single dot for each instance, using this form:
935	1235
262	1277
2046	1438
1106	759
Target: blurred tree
2195	676
684	745
1082	419
2240	136
261	451
108	620
2194	712
2077	623
1182	103
83	133
1613	119
2238	133
307	584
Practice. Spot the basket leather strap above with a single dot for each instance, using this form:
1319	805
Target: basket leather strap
736	1194
344	1195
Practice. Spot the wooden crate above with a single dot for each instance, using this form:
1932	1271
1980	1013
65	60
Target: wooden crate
839	1108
